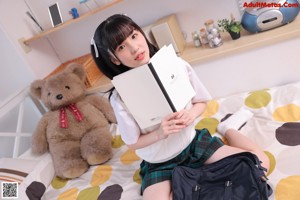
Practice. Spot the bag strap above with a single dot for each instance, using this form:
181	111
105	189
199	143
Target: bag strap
196	192
228	190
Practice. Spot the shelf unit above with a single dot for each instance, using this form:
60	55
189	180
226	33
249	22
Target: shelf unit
72	21
247	42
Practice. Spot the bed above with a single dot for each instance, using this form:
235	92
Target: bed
275	127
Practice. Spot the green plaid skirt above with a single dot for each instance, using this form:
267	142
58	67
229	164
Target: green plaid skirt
194	156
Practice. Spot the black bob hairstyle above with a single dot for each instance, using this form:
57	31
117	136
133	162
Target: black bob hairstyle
110	34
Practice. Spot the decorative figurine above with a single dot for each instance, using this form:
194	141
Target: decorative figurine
74	13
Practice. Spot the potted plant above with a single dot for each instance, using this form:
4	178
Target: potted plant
232	26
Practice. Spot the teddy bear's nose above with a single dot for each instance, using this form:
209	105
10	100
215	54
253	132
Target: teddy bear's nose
59	96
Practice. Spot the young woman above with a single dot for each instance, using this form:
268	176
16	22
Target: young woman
119	45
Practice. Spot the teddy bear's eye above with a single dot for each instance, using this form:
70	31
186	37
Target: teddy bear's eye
49	93
67	87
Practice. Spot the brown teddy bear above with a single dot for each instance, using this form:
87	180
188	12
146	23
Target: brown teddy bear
75	129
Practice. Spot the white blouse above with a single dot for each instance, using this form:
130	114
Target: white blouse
164	149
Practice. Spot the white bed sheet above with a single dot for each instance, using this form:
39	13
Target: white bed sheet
275	126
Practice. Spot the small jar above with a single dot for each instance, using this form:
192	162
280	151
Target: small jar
214	39
209	24
196	39
203	36
210	40
217	40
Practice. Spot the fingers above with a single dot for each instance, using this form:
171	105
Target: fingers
170	127
186	117
175	125
180	114
171	116
175	122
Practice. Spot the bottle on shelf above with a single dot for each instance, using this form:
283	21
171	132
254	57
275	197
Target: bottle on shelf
203	36
213	34
196	39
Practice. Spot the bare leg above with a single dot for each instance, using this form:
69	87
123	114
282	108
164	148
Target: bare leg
237	142
158	191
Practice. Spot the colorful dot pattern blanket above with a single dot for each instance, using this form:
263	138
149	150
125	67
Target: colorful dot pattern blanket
275	126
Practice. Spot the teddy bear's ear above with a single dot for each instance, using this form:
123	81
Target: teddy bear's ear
77	69
36	88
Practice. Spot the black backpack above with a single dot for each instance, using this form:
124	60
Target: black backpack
237	177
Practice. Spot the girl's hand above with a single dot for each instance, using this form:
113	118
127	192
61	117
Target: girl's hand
177	121
187	116
169	125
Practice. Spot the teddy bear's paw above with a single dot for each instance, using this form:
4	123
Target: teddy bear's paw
69	169
75	172
98	159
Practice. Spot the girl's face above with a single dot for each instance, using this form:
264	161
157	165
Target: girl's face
133	51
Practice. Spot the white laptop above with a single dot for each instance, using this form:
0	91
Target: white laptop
156	89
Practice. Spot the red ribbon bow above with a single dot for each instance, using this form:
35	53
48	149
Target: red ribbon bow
63	121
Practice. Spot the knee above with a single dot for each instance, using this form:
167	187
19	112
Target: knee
158	191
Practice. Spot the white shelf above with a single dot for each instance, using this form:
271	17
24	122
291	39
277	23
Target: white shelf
72	21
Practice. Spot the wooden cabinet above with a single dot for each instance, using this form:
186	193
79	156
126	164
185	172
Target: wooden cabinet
93	74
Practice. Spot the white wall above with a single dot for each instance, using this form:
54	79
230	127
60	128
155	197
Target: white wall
13	20
14	72
74	40
256	69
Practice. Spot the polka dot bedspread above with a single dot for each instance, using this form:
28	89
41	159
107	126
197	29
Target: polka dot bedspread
275	126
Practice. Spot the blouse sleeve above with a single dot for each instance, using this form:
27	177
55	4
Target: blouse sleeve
129	129
202	93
